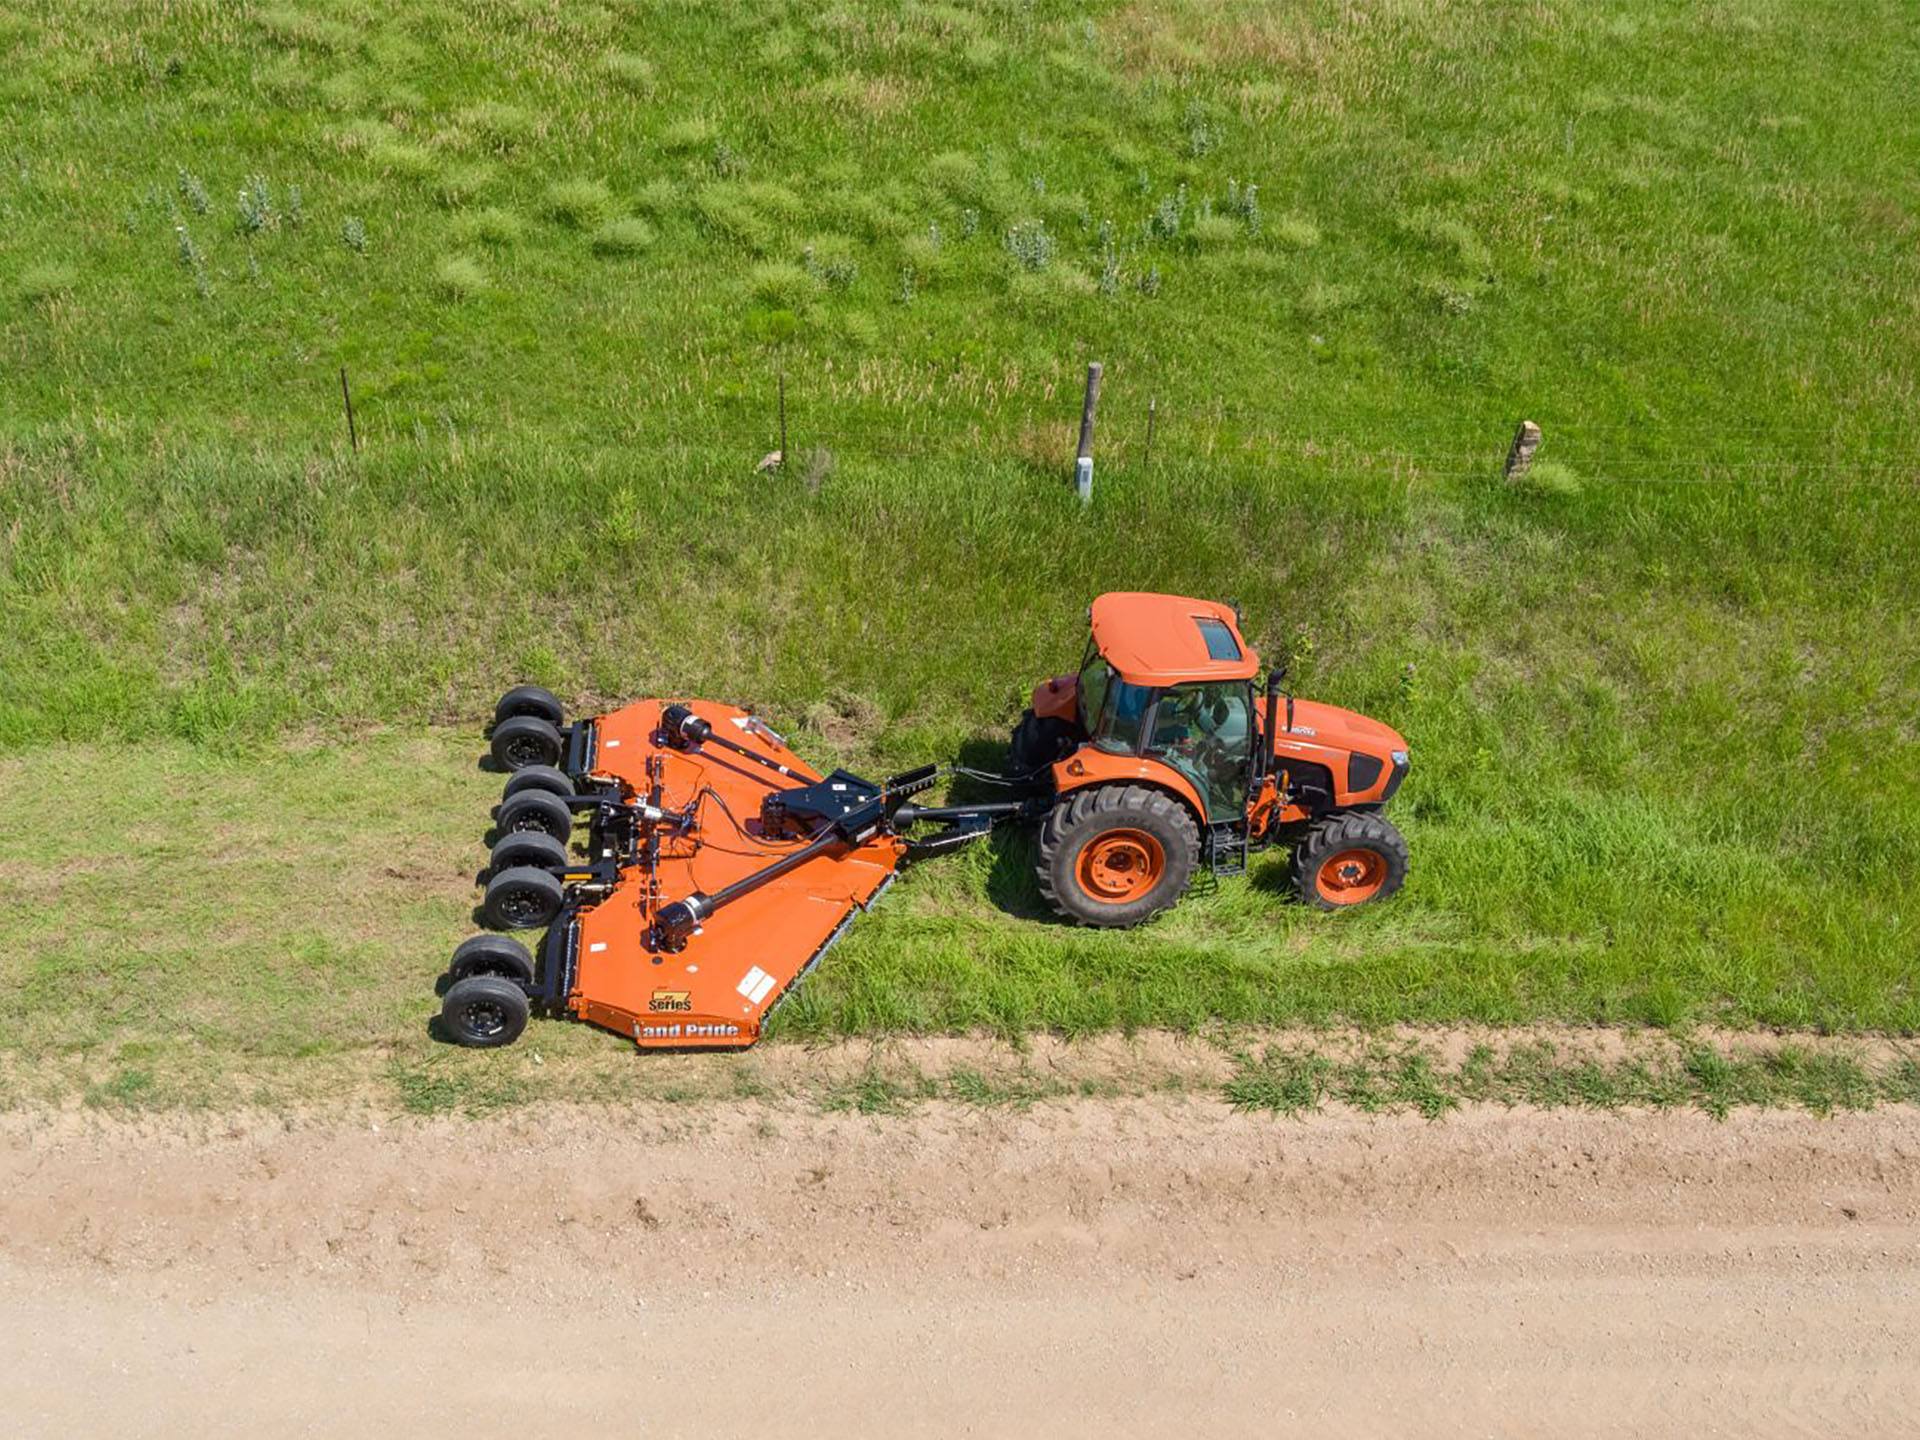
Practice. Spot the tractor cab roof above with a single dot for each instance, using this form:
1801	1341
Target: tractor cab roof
1161	640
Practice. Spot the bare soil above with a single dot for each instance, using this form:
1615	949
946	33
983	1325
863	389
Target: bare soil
1141	1266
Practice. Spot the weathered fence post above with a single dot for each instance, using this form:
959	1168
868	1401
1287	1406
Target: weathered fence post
784	452
1083	461
1526	440
353	435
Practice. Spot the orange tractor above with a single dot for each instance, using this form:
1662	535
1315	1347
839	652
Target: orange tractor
719	867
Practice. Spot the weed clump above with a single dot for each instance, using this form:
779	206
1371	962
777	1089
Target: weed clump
1168	216
685	136
1296	233
629	236
578	203
1243	201
503	126
1030	245
353	234
633	71
1213	232
459	277
255	205
782	285
46	282
193	192
1324	298
402	158
1550	477
461	185
492	226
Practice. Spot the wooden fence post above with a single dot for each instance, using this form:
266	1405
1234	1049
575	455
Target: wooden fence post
1083	459
1526	440
353	435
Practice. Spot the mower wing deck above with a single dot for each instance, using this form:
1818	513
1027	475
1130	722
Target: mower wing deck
716	988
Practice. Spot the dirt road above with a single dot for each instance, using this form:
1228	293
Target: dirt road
1094	1268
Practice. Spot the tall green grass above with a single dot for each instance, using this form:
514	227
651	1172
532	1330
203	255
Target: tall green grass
1661	698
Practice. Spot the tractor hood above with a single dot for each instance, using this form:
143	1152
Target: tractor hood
1339	729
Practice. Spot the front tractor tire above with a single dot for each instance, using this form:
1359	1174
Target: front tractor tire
1116	855
1348	859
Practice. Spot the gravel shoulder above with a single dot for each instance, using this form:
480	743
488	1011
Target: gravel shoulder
1139	1266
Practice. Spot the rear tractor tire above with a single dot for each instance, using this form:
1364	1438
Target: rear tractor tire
1116	855
484	1011
522	898
1348	859
522	741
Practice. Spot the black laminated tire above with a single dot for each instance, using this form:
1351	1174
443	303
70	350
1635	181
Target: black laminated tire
529	847
484	1011
524	741
536	810
1116	855
1038	741
539	777
522	898
529	700
491	955
1348	858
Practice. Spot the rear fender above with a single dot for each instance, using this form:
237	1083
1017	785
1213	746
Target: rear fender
1090	765
1058	699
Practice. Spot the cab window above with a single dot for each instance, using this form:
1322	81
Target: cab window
1111	710
1206	733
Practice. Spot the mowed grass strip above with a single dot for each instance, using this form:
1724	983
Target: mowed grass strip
1661	699
185	926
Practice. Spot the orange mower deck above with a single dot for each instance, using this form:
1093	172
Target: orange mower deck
717	988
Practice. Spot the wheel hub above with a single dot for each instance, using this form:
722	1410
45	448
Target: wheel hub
1121	865
1350	876
521	904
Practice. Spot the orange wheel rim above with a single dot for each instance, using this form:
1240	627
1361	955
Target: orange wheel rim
1350	876
1121	865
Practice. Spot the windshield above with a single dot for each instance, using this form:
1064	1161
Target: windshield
1111	710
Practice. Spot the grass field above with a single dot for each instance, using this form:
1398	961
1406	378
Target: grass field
1661	699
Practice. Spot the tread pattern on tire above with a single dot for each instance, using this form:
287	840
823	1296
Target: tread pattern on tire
534	700
529	847
516	733
492	955
495	989
1118	806
550	778
548	813
1347	830
523	877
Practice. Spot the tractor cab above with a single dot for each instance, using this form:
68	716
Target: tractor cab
1173	683
1163	713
